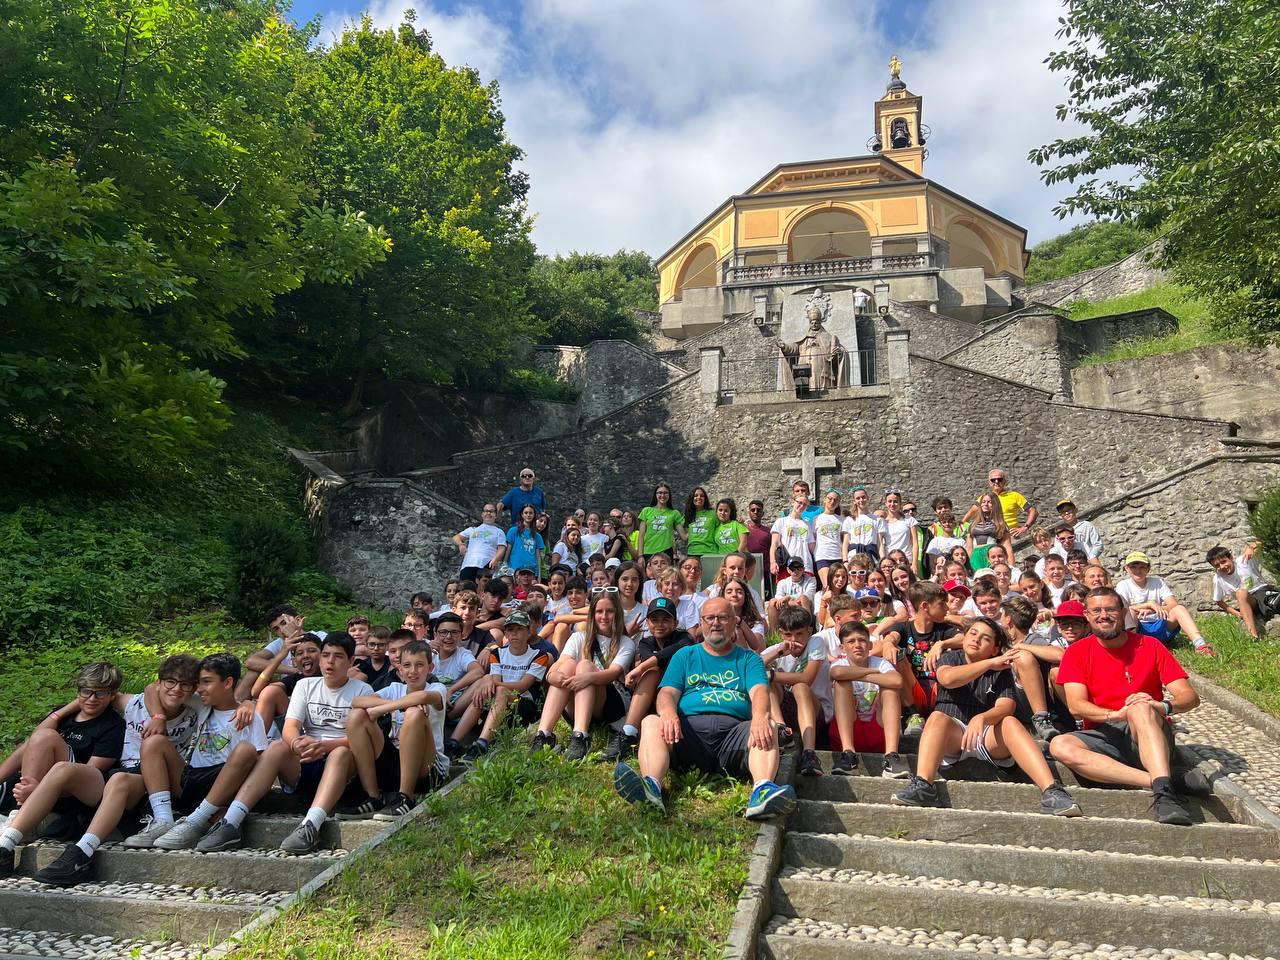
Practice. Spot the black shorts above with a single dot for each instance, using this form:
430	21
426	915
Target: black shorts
615	706
1115	741
196	784
714	743
388	769
308	779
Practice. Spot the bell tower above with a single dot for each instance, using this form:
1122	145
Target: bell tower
899	133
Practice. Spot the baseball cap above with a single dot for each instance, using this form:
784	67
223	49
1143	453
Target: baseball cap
795	562
525	569
517	618
983	572
957	586
1069	608
612	562
1137	556
663	605
1066	503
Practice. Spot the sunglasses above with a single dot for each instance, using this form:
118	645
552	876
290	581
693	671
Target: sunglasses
995	480
526	476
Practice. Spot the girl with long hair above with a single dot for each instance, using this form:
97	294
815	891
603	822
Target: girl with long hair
988	529
629	581
731	534
750	629
828	536
837	583
569	551
525	544
659	524
700	520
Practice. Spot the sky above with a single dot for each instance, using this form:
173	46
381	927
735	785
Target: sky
639	117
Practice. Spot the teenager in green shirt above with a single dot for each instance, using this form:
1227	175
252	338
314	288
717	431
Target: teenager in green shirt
731	536
659	523
700	521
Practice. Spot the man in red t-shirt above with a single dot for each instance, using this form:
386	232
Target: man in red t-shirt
1116	683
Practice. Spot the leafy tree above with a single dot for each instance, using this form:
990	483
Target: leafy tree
1180	104
151	154
589	296
1089	245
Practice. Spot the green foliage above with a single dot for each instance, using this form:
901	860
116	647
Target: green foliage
1195	327
1089	245
1264	521
587	296
1248	667
1180	103
534	384
266	549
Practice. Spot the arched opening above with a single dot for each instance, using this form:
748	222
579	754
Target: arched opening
969	249
829	235
699	270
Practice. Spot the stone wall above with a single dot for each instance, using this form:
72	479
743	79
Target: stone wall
1222	380
1102	333
1129	275
607	374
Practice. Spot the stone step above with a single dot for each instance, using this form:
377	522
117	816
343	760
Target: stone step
26	944
268	832
1039	867
1126	804
1112	918
233	870
150	915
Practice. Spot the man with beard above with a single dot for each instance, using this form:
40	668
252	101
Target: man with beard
1125	687
713	715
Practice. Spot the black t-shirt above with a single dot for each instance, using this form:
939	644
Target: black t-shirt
103	736
376	678
648	647
290	680
476	640
916	643
978	696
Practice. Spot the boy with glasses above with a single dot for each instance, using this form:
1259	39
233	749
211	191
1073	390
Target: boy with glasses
376	669
455	665
481	546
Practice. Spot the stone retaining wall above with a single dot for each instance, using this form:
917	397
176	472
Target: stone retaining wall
1130	275
608	374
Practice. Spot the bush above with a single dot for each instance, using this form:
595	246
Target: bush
266	549
1265	523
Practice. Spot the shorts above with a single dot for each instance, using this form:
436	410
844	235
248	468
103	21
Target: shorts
819	565
134	769
470	573
870	549
925	694
615	705
196	784
1166	631
868	736
308	779
713	743
790	717
1114	740
980	752
388	770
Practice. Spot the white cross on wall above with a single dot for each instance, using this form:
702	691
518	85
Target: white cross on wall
808	463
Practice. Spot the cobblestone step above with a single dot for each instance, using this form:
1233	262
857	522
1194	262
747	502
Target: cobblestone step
1238	879
1007	828
858	898
1126	804
25	944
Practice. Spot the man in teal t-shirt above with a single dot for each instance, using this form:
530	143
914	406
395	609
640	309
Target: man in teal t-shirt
713	715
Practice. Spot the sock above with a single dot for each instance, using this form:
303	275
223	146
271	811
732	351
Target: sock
579	733
316	816
235	813
482	743
1161	785
10	839
162	805
631	730
202	814
89	844
1197	642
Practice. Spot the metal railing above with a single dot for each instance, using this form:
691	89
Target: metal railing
811	269
765	374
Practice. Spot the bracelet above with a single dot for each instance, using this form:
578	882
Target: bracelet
1168	707
159	716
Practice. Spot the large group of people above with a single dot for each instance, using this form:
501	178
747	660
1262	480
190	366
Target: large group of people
692	639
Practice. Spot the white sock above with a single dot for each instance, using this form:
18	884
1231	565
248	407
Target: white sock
162	805
235	813
89	844
1197	642
631	730
202	814
10	839
316	816
757	783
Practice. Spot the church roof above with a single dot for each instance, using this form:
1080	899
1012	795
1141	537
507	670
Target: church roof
898	173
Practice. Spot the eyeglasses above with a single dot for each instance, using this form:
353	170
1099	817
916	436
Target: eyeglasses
908	509
440	632
995	480
604	589
717	617
88	694
170	684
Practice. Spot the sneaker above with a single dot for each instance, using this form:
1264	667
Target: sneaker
7	857
542	741
1206	651
1192	783
1042	727
809	765
397	807
152	830
475	751
1167	809
183	835
579	746
785	737
223	836
919	792
65	827
452	749
71	867
622	746
844	763
634	788
915	723
770	800
895	767
361	809
304	839
1056	801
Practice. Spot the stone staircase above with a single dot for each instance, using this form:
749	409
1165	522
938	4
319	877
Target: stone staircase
993	876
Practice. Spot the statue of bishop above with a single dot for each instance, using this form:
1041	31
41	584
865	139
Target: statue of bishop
818	349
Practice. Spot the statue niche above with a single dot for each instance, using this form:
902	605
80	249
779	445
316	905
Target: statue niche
899	133
818	350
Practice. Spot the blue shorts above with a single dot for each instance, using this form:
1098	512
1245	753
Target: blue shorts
1166	631
308	778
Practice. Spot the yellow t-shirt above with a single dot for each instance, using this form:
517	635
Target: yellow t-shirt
1012	504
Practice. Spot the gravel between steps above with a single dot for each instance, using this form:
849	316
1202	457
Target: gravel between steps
957	941
834	875
46	943
152	891
1247	755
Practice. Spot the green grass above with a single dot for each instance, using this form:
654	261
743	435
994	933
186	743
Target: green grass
1195	329
533	857
1248	667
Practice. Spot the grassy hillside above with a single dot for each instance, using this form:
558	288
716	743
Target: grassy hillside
1194	326
1083	248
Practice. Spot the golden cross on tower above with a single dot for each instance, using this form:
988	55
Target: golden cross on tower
895	66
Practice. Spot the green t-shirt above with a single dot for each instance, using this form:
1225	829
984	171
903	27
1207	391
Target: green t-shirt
702	533
660	526
728	535
710	684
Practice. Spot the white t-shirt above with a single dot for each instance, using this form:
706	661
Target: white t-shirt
1055	593
435	715
623	658
180	729
796	537
791	587
483	542
689	610
815	649
942	546
216	736
898	534
864	691
556	607
714	591
274	647
650	591
321	710
827	528
1154	592
636	614
863	531
566	554
451	669
1247	577
593	543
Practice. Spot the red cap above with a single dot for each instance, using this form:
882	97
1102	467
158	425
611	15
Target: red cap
957	586
1070	608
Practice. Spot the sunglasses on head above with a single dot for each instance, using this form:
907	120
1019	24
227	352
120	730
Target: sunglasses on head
604	589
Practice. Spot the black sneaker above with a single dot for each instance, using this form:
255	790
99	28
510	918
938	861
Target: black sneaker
1168	810
361	809
7	857
579	745
622	746
452	749
1192	783
918	792
1057	802
542	741
1042	727
71	867
895	767
844	763
65	827
477	750
809	765
396	807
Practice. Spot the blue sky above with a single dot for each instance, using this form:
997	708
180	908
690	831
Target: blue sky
638	117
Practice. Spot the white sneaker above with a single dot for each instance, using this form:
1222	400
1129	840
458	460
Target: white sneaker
152	831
